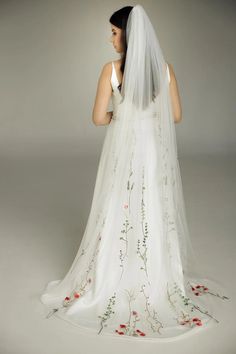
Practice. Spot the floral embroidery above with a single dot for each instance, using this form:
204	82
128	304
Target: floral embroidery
187	302
129	328
182	306
127	227
107	314
124	238
76	294
143	254
80	289
151	317
114	171
183	318
192	322
130	184
173	176
201	289
157	116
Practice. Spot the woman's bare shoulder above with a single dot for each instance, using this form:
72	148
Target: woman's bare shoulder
106	69
117	63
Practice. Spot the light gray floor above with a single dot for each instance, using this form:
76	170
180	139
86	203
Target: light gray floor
44	206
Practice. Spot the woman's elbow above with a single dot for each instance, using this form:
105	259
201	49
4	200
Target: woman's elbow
96	120
178	114
178	118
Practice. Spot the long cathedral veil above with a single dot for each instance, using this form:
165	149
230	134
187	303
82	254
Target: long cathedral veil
146	106
138	187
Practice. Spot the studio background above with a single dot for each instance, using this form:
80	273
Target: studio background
51	56
52	53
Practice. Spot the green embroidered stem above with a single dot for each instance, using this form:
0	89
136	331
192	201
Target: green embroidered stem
109	311
151	316
130	328
187	301
143	255
201	289
126	224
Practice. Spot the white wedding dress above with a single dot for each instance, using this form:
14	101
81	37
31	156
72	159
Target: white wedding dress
126	280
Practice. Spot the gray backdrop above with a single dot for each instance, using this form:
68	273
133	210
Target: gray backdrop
52	53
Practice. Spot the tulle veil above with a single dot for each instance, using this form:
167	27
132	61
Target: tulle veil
140	148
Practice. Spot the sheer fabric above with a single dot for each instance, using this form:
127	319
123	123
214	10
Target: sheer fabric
136	273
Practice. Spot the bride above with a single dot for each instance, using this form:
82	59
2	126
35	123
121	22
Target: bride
136	273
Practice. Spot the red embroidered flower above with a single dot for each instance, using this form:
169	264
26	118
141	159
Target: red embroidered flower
134	313
76	295
142	334
194	320
137	330
201	289
121	332
122	326
197	321
67	298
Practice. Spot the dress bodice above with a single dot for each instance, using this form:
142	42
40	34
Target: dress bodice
116	96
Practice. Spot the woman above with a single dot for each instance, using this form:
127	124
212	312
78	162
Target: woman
104	89
135	271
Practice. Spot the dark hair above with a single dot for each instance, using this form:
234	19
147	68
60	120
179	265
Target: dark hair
119	19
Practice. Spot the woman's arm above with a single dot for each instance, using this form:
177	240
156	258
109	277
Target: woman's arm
103	95
175	97
104	92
